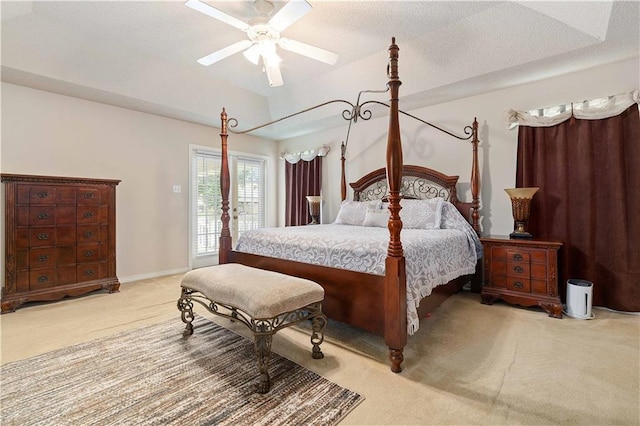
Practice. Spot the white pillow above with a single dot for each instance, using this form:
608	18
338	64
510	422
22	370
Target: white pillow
353	212
421	214
378	217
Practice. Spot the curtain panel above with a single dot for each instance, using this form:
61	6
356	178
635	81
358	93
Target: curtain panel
588	172
301	179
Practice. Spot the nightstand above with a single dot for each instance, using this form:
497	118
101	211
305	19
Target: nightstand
522	272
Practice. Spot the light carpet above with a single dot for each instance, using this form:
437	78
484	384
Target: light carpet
153	375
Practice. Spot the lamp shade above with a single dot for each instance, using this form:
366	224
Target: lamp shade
522	192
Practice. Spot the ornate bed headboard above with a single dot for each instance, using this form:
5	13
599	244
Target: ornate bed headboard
417	182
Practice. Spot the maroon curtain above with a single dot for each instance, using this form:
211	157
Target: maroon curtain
301	179
588	172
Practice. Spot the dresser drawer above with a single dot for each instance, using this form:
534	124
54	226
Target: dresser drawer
42	278
92	233
91	271
89	196
91	252
51	277
91	214
42	195
43	257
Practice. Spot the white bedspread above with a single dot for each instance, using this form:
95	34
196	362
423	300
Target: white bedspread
433	257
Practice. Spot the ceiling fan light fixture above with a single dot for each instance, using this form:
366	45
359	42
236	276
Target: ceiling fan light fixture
267	50
253	54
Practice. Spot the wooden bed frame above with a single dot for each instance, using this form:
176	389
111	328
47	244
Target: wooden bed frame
374	303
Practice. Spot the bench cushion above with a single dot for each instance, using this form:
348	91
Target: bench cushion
259	293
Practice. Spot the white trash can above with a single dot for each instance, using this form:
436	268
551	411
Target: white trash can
579	299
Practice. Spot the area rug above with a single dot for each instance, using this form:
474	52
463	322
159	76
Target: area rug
155	376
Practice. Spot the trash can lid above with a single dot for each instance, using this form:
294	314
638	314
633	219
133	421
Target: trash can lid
579	282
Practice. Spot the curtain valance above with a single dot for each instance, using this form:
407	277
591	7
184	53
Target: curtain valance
594	109
308	155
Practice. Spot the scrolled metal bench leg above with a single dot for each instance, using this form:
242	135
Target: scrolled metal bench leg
185	306
263	351
318	323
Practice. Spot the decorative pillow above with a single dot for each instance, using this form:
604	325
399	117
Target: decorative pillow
353	212
421	214
378	217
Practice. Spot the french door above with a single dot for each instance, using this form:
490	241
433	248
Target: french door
247	201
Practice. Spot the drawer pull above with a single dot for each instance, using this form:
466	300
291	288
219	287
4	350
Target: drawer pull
88	253
518	284
518	269
88	273
43	278
43	236
88	195
43	258
42	194
43	215
88	214
88	234
517	256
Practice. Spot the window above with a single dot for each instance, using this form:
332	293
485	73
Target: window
247	201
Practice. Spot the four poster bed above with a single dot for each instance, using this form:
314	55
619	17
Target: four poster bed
383	290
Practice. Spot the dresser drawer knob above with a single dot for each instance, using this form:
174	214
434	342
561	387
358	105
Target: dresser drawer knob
518	269
43	278
88	253
42	194
43	236
43	258
88	272
88	234
88	214
88	195
518	284
517	257
43	215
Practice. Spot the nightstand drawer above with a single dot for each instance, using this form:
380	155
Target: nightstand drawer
518	269
518	256
519	284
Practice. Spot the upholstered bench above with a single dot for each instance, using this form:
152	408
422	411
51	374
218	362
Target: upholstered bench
264	301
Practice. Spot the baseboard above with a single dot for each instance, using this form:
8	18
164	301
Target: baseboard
132	278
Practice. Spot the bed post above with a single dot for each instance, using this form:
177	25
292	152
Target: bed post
225	183
475	180
395	293
343	176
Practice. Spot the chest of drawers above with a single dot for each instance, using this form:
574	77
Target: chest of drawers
523	272
59	239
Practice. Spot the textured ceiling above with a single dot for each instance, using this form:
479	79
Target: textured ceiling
142	55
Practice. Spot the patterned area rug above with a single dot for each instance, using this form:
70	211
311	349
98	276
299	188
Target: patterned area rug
153	375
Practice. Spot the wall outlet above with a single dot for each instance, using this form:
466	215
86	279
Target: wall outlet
177	189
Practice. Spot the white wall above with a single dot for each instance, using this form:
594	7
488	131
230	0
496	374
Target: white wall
48	134
427	147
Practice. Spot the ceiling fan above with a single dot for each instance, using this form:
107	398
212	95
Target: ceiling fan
264	35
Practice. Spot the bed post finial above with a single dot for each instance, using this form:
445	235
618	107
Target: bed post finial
395	293
225	183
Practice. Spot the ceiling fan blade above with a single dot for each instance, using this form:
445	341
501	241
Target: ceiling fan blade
223	53
290	13
308	50
218	14
273	74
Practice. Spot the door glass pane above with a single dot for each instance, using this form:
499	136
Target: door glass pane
250	190
208	204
